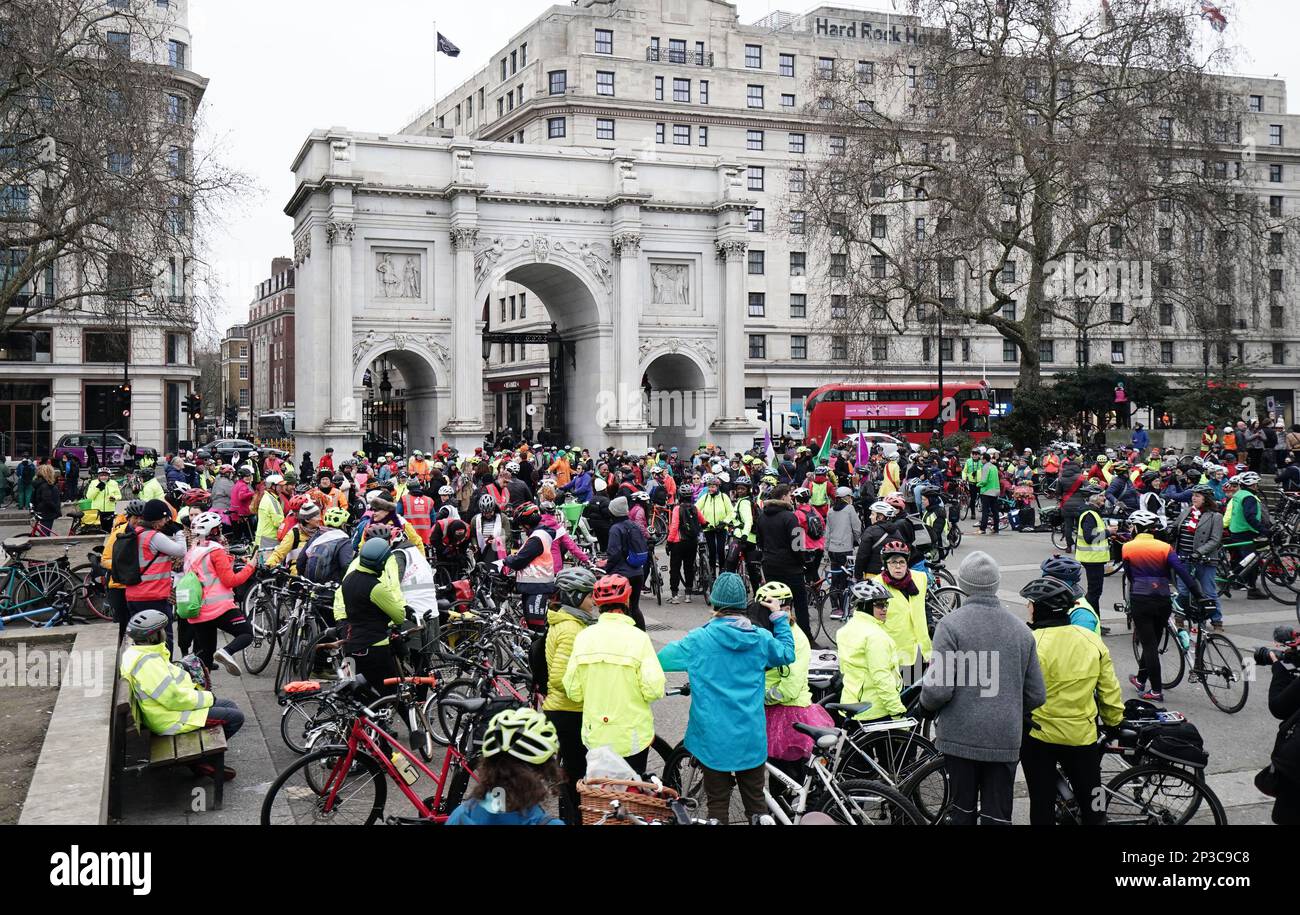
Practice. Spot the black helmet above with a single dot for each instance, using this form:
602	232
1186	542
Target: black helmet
147	627
1049	595
134	508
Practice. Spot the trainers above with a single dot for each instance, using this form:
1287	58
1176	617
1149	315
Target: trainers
1153	696
674	600
1256	595
210	771
837	614
1137	684
686	599
226	660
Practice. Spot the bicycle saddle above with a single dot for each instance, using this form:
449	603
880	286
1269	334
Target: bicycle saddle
815	732
848	708
16	545
469	706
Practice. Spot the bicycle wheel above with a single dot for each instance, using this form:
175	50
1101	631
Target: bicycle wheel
1157	795
685	775
322	659
656	581
443	716
31	595
1280	574
92	595
661	752
866	803
265	622
928	789
1172	663
944	578
954	538
897	753
940	602
315	791
1059	539
299	720
1222	673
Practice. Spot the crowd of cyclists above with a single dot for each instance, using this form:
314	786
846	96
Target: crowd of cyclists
392	534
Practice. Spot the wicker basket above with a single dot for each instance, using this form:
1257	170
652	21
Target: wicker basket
595	794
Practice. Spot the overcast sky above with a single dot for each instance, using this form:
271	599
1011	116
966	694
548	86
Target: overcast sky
280	68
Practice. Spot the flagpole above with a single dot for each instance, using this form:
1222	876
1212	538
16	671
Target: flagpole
434	123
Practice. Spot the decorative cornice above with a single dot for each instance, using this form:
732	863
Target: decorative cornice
302	248
464	239
340	233
626	243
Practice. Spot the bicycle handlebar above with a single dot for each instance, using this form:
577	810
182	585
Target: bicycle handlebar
414	681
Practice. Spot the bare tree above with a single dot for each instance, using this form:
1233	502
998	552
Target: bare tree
98	182
1028	165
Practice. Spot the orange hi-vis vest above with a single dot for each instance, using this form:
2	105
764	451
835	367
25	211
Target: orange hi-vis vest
418	510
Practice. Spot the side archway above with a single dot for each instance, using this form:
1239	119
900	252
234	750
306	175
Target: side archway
677	399
400	407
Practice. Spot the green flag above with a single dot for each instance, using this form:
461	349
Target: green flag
824	454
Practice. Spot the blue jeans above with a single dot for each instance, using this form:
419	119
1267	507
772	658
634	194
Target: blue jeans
1203	572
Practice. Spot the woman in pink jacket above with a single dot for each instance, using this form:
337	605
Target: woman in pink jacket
208	559
561	542
241	502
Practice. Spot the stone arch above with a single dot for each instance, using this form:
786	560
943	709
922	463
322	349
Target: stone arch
679	396
557	273
426	395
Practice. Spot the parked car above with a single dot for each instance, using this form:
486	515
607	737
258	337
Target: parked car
108	447
888	444
225	449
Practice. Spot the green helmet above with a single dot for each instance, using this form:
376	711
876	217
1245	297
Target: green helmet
374	553
524	733
336	517
729	593
774	590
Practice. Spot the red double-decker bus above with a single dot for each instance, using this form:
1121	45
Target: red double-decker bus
905	411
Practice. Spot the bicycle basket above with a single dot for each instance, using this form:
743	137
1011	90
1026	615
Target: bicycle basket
1052	516
1179	743
647	801
572	512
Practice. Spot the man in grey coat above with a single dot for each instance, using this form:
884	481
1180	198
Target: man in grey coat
983	681
843	530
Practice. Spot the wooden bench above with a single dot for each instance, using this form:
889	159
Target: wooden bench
138	752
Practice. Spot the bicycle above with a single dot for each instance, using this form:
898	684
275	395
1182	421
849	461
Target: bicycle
27	586
58	613
349	781
703	569
1212	659
1279	570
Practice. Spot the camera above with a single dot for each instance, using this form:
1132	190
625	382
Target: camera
1287	649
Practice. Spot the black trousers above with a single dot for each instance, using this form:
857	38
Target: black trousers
1082	768
797	587
988	505
232	622
634	607
1150	616
573	757
376	664
718	785
716	540
681	565
1096	572
988	787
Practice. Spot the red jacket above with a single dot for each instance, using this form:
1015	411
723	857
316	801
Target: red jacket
326	463
674	519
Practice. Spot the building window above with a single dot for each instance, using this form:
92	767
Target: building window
1009	272
676	51
1166	352
554	128
243	373
177	109
176	55
798	142
798	263
659	133
1009	352
756	219
754	56
754	96
1257	103
1274	134
1117	351
704	92
501	109
826	67
786	62
797	222
659	88
1275	205
1275	243
558	81
798	346
839	347
1275	174
26	346
798	305
1279	353
757	346
757	262
866	71
1047	351
837	146
704	136
510	100
119	44
1166	314
104	346
504	74
839	307
839	265
755	176
787	100
681	90
754	139
604	82
1275	280
243	351
878	225
757	305
1275	317
604	41
878	266
681	134
604	128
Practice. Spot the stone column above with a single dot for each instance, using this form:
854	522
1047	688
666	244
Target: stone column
465	429
343	412
629	430
731	428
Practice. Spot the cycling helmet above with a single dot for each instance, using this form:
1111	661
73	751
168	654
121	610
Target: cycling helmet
204	524
226	469
526	514
801	495
524	733
821	469
1145	521
774	590
1150	476
884	508
374	553
245	471
612	589
309	512
931	490
417	453
513	466
302	489
897	500
870	591
178	489
769	479
134	508
711	479
1049	595
274	480
195	497
446	491
742	480
1066	568
415	487
575	581
640	496
1204	489
486	503
379	531
336	517
148	627
297	502
1249	478
895	548
547	507
843	492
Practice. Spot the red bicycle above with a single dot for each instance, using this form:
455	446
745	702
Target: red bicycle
347	784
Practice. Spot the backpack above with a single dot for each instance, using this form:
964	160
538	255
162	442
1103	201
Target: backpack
189	596
126	557
319	562
814	525
537	666
688	522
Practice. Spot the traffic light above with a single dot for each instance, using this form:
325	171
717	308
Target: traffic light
762	409
232	413
124	399
193	405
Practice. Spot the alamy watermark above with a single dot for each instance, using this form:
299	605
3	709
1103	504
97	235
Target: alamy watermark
964	668
49	667
1099	280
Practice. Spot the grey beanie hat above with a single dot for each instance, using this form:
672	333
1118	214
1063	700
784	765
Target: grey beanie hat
618	507
979	574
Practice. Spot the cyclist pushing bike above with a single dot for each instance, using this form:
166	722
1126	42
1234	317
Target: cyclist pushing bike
1150	565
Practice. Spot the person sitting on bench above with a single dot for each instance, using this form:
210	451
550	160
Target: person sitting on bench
170	703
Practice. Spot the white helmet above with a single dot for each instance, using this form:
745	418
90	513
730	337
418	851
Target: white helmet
373	495
273	480
1249	478
513	467
204	524
1146	521
181	488
884	508
446	491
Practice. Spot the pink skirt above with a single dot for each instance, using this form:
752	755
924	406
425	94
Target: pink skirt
783	741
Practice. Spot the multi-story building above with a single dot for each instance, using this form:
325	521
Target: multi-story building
271	341
58	371
234	411
686	76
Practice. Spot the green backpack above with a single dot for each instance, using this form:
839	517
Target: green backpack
189	596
